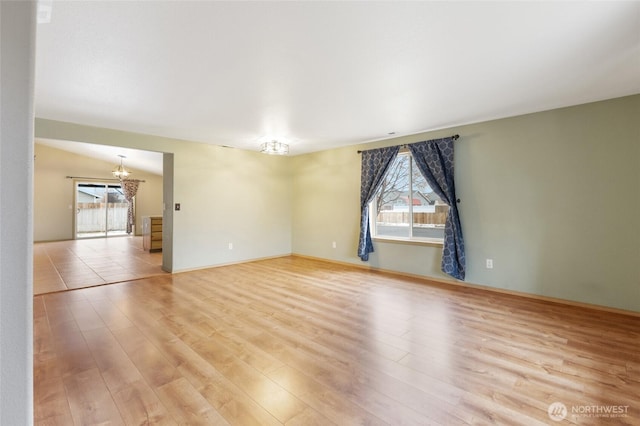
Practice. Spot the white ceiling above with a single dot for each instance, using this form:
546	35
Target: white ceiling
133	158
326	74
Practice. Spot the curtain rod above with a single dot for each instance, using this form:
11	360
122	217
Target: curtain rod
95	178
455	137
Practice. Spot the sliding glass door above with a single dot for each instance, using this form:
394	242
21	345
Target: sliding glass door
101	210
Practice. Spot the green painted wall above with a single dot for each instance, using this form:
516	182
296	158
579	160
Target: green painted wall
552	197
226	195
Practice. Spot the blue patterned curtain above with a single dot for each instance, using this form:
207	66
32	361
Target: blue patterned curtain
435	161
375	163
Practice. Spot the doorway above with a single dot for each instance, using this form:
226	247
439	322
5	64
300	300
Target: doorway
100	210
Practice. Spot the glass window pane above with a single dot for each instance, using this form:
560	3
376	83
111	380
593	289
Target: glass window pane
393	200
429	212
90	210
101	210
117	208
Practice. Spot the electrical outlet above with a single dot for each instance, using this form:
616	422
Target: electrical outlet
489	263
230	246
333	244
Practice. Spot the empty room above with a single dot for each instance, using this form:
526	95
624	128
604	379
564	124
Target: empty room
297	213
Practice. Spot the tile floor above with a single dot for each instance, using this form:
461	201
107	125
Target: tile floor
67	265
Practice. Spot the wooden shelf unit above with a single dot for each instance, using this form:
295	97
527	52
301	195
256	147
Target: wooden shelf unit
152	233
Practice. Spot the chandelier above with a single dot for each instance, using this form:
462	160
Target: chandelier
120	172
274	148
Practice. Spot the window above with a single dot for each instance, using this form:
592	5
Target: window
101	210
405	207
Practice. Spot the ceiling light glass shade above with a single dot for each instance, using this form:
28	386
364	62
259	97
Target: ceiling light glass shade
120	172
274	148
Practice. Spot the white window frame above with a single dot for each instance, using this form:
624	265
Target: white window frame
373	214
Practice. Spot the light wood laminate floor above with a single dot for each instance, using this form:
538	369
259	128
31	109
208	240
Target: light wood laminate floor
301	342
65	265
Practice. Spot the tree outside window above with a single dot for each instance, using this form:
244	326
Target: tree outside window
405	206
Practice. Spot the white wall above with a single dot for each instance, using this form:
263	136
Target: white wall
17	39
226	195
553	198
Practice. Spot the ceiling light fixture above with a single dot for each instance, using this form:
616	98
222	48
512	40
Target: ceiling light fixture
120	172
274	148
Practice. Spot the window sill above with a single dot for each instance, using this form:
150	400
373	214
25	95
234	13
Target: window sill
415	242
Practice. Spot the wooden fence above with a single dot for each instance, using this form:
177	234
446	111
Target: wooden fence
91	217
439	217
